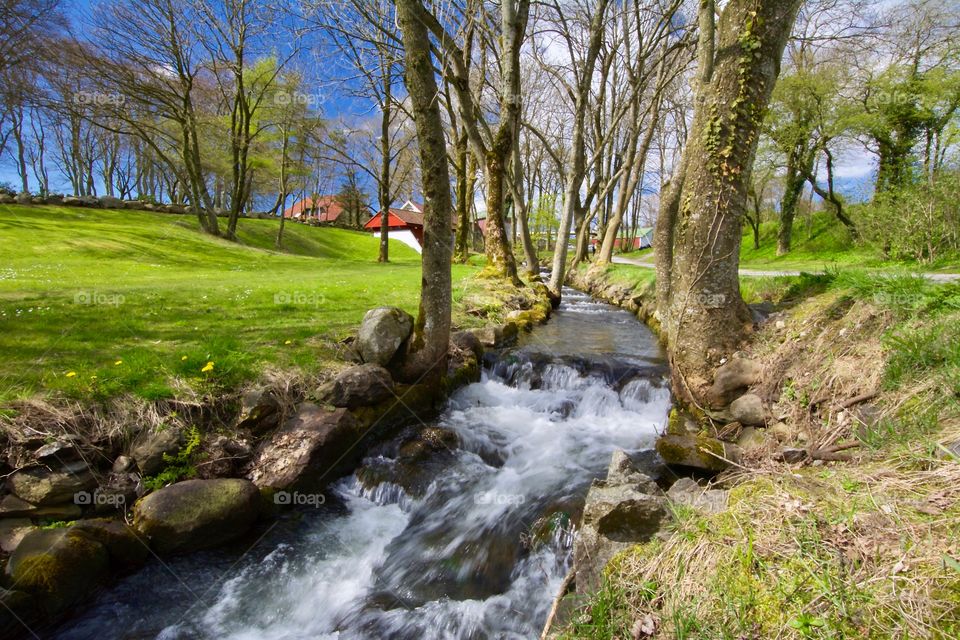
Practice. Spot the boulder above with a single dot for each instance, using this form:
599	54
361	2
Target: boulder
467	341
13	507
124	547
496	337
55	198
625	509
90	201
687	491
748	410
72	201
782	432
40	486
260	412
110	202
57	452
382	332
12	531
122	464
314	447
133	204
694	450
197	514
24	198
38	200
731	378
624	471
6	198
58	566
117	493
752	438
359	386
224	457
148	452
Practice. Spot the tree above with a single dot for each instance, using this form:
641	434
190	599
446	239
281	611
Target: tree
427	352
492	144
702	315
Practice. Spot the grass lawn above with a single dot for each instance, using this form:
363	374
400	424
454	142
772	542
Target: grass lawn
98	303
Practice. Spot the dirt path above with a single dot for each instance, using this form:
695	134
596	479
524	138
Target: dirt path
647	262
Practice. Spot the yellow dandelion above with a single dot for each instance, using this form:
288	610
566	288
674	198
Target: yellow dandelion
207	367
288	342
118	363
71	374
183	358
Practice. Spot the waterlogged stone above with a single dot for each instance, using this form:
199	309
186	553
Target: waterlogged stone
58	566
312	449
197	514
697	451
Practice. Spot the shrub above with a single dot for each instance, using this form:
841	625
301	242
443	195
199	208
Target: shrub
919	222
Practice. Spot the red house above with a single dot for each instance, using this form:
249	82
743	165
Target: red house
404	224
321	209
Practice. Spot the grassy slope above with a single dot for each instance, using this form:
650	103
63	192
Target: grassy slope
820	243
859	549
99	302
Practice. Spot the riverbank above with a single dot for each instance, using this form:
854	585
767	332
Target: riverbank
841	511
97	485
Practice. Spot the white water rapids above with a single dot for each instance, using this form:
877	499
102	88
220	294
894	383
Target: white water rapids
480	554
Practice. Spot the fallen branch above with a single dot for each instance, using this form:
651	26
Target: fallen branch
858	399
564	587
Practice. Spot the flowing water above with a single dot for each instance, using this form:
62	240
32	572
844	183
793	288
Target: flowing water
479	552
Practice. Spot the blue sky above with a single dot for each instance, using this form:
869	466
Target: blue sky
854	171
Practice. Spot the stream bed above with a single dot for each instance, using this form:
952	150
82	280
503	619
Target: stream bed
478	553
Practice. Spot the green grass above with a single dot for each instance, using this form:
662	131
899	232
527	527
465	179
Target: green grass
821	243
96	303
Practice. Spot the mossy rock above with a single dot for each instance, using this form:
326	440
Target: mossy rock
124	547
197	514
58	566
698	451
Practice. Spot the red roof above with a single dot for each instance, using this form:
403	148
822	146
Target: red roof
398	219
322	208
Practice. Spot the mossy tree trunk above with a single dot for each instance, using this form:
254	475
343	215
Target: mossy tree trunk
702	314
427	355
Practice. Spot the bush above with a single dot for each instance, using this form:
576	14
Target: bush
920	222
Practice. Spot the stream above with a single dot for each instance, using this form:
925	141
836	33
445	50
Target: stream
478	552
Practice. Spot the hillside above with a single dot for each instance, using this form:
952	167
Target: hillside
96	302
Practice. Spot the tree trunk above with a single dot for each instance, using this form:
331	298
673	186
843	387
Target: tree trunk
704	318
427	352
462	249
384	182
577	169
